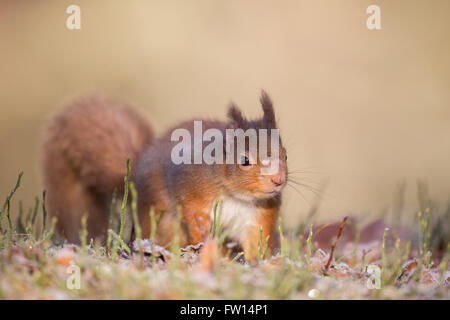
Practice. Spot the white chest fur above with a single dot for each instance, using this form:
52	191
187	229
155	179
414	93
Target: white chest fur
236	215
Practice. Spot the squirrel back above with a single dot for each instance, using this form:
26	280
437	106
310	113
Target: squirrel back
85	151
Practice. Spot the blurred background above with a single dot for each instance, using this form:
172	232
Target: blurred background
366	113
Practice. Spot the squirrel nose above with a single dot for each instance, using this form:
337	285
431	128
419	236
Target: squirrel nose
277	180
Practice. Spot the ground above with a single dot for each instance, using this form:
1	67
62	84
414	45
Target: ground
389	264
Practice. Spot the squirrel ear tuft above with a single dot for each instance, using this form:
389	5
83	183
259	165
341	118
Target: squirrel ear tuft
235	115
267	106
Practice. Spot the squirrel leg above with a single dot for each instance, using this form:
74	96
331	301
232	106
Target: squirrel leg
197	219
69	200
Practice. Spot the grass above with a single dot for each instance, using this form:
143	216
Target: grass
33	265
125	198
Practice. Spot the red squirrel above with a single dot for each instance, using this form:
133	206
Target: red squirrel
85	153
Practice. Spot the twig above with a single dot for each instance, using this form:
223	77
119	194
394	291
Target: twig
333	246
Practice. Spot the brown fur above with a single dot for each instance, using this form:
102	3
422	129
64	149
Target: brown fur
85	157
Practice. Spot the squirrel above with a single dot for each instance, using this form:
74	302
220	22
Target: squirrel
85	151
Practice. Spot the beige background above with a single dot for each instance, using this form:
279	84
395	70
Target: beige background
362	109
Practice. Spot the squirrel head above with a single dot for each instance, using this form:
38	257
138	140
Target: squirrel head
261	174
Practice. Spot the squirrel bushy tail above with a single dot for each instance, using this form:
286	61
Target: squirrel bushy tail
84	160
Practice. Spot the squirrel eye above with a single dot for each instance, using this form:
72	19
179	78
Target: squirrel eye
245	161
